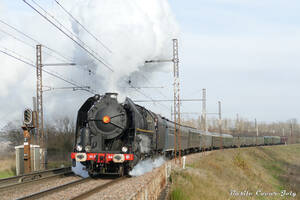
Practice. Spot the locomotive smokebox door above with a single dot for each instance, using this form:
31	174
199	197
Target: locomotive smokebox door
107	117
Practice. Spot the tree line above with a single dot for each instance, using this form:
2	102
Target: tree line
246	127
60	132
59	136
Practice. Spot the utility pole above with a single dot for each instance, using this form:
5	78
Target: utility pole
204	116
171	113
291	142
283	134
176	87
34	121
256	128
220	123
39	95
39	103
176	96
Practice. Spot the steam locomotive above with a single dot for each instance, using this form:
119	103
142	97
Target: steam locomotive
111	138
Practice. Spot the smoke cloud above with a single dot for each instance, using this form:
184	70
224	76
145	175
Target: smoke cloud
145	166
134	31
78	170
144	144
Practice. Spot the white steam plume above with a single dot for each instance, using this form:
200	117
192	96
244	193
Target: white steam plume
145	166
134	30
78	170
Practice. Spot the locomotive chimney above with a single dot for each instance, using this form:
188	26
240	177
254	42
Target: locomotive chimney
111	95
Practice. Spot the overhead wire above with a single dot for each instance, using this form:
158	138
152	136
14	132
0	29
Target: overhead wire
83	45
36	41
23	57
82	26
153	101
147	96
30	45
156	88
62	58
80	43
14	37
46	71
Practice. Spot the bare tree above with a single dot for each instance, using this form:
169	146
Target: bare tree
13	133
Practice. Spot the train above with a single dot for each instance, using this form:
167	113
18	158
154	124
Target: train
112	137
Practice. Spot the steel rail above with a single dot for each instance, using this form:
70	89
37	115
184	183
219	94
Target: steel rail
55	189
97	189
32	176
39	180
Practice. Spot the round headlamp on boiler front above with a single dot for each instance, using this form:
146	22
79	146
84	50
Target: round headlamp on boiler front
88	148
124	149
79	147
106	119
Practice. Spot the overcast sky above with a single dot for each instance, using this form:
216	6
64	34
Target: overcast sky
245	52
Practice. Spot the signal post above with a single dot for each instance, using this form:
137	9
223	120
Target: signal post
27	157
27	126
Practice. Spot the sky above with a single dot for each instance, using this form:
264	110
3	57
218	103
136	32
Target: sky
245	53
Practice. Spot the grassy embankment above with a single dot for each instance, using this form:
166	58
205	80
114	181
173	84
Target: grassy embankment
224	174
7	165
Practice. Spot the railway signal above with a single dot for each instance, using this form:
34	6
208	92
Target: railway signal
27	117
27	126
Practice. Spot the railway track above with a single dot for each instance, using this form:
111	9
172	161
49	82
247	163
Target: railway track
55	189
86	194
33	177
83	195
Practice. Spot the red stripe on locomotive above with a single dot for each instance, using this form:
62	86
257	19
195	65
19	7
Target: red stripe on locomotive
108	158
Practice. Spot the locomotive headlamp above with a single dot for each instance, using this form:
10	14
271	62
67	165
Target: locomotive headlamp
88	148
97	97
79	148
124	149
106	119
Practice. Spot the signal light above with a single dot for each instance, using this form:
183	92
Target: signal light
27	117
106	119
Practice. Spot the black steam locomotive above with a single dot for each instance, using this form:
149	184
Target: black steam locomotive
111	138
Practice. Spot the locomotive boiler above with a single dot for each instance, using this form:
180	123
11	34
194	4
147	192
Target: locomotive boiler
112	137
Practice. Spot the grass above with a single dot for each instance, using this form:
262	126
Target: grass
178	194
6	174
58	164
7	166
220	174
